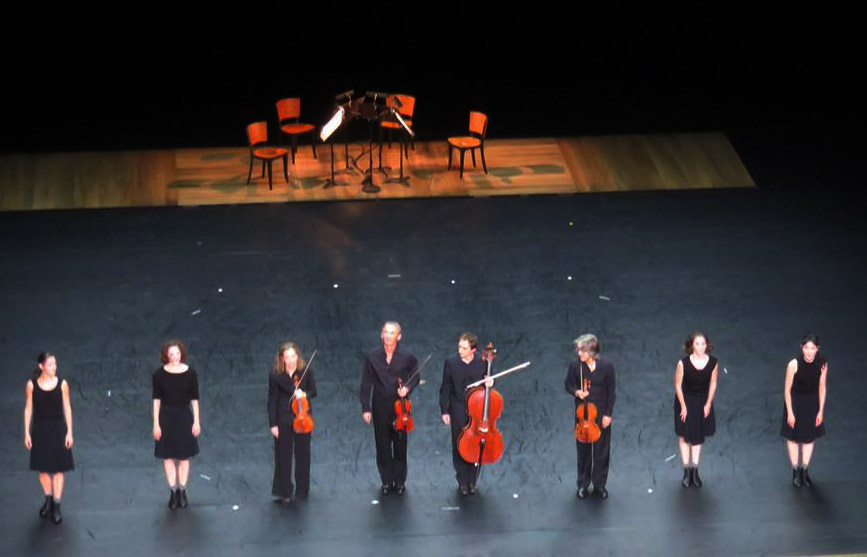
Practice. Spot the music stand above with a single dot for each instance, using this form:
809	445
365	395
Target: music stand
403	148
326	134
369	111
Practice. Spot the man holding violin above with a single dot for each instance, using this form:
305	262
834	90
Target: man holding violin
386	370
459	371
591	381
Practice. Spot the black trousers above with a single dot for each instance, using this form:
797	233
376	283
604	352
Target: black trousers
287	444
465	472
593	460
391	445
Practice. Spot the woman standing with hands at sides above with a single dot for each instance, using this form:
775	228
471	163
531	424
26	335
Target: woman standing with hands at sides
290	380
694	388
804	412
48	432
176	418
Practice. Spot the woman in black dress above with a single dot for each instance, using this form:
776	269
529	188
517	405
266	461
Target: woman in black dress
48	432
287	382
804	412
694	388
176	418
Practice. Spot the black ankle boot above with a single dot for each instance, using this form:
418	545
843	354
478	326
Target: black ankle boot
696	479
687	477
173	499
805	478
45	509
56	517
797	477
182	498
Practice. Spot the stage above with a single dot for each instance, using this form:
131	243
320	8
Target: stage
755	269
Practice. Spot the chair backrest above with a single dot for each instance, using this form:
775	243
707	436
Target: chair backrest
288	109
478	124
407	104
257	133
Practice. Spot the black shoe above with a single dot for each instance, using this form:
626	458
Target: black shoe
687	477
385	489
696	479
45	509
602	493
805	478
182	498
582	492
173	499
797	477
400	489
56	517
472	488
463	490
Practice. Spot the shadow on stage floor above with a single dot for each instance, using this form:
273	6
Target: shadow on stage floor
754	269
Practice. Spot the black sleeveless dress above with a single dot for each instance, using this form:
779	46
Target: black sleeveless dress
48	431
805	402
696	388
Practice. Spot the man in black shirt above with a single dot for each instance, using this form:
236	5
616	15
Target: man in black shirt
383	367
459	371
591	379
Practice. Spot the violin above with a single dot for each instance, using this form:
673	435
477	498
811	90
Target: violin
586	428
403	407
303	422
481	442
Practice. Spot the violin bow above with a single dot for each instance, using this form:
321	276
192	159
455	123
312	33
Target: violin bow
502	373
310	361
417	372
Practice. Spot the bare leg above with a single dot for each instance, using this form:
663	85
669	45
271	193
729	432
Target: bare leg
695	451
45	482
684	451
183	472
792	447
806	453
171	473
57	480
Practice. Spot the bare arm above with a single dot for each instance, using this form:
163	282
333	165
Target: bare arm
791	370
713	377
197	427
157	431
822	391
678	389
28	414
67	413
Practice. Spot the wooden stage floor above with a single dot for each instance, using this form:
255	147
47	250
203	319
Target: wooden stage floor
515	167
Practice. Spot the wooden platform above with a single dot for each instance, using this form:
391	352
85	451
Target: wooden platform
515	167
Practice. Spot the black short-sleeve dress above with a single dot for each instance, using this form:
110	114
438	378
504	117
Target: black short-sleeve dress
696	389
175	391
805	402
49	454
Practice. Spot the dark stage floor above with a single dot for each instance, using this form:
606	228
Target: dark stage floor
755	269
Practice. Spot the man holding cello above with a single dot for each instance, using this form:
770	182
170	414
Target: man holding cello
591	381
386	372
459	371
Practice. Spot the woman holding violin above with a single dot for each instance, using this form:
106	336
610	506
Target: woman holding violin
290	388
694	388
591	381
459	371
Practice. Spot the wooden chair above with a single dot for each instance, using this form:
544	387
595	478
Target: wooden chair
476	140
406	109
288	113
257	139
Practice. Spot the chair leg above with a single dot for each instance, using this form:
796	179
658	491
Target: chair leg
263	168
294	146
482	151
270	184
286	168
313	143
473	154
463	152
250	171
450	156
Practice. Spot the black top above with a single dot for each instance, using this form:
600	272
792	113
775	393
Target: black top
381	377
806	379
281	387
47	405
696	382
175	389
602	384
456	376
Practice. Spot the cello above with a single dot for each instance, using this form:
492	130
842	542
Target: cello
586	428
303	422
481	442
403	407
